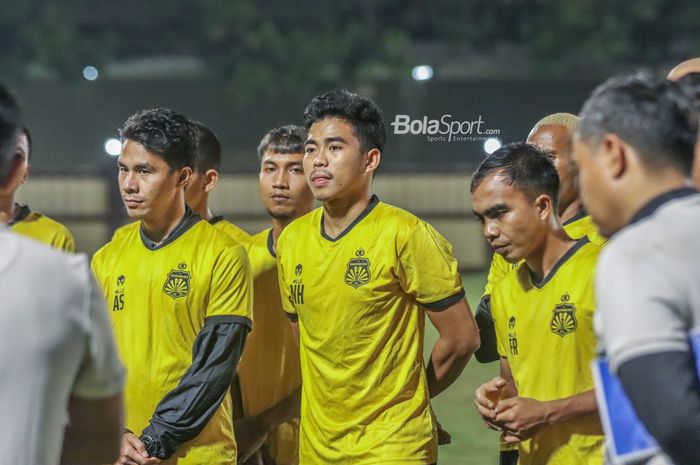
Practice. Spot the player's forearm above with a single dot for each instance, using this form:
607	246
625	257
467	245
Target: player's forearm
283	411
447	360
185	411
572	408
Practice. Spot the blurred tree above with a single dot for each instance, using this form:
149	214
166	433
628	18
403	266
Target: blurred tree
301	46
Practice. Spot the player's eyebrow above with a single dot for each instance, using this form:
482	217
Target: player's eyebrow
493	209
335	139
327	140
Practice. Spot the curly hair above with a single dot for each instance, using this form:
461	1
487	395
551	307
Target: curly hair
165	133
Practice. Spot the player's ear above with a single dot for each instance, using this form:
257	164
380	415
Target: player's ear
184	176
211	177
545	206
374	157
13	175
615	153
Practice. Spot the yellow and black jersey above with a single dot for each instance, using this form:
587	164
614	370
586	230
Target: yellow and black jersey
269	370
545	330
359	299
231	229
578	226
43	229
170	304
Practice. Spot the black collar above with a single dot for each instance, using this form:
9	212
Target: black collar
373	202
23	212
188	220
215	219
271	244
582	213
655	203
563	259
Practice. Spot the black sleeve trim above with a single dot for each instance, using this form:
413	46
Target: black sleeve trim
293	317
665	393
488	351
185	411
446	302
222	319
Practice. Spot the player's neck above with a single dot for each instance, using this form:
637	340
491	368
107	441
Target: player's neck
339	213
648	187
159	228
545	257
571	210
7	208
204	213
202	209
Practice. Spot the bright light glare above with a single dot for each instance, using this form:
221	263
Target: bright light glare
422	72
492	144
113	147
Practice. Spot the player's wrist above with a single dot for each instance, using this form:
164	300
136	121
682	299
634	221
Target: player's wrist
553	412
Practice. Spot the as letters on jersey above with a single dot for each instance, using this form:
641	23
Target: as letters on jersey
564	317
357	273
118	302
178	282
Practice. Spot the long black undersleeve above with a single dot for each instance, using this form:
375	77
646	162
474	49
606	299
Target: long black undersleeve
665	392
183	412
488	351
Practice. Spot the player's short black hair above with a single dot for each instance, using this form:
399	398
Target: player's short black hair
526	167
364	115
655	116
691	82
165	133
10	122
284	139
208	149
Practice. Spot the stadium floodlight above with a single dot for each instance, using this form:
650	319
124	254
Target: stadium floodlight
492	144
422	73
113	147
90	73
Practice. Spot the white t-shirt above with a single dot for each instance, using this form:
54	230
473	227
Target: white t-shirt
55	342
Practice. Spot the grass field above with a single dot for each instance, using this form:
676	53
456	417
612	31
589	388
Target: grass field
472	443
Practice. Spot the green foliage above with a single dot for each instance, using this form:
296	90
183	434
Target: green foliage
276	48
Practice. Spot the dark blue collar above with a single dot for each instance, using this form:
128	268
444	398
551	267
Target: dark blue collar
656	202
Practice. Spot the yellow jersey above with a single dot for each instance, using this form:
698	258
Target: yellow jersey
269	370
359	300
43	229
159	297
545	330
578	226
231	229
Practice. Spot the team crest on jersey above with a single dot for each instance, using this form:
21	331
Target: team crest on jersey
564	317
178	283
357	273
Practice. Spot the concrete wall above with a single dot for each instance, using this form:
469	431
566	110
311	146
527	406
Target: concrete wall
89	207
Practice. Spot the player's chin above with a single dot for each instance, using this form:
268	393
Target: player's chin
136	212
